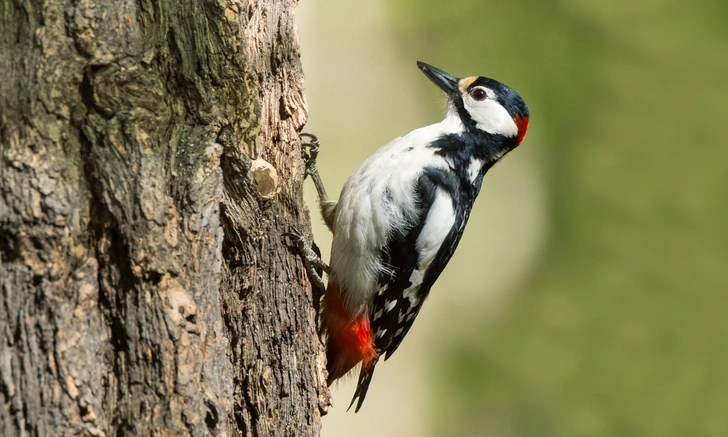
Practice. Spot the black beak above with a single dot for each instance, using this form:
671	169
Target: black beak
444	81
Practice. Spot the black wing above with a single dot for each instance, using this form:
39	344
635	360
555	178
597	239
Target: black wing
391	313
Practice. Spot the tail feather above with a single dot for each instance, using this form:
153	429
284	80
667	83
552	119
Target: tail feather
365	377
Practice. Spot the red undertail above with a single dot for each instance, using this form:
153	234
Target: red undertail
349	336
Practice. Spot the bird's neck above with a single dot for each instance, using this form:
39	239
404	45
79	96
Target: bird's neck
463	147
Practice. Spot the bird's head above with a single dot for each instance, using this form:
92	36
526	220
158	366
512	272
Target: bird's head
483	104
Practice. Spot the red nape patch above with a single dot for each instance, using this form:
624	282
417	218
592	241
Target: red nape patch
522	123
349	338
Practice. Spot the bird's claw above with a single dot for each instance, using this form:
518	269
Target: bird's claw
310	147
315	266
297	239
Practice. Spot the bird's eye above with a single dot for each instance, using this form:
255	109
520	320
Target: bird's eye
479	94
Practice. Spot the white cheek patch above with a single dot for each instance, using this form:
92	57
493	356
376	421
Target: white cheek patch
491	117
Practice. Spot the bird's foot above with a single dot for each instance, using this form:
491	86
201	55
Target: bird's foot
312	261
310	147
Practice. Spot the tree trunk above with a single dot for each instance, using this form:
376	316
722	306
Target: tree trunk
145	287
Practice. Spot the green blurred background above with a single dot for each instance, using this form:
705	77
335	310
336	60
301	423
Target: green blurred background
589	294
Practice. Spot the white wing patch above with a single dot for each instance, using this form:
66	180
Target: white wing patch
474	169
440	220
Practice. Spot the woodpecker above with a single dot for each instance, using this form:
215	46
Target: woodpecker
401	215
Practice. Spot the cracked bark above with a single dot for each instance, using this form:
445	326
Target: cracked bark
150	163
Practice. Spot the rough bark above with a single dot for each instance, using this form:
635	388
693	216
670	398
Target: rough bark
145	288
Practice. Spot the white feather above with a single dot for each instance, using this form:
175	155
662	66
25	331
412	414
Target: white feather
490	116
440	219
474	168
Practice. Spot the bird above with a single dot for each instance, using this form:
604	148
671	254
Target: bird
399	218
